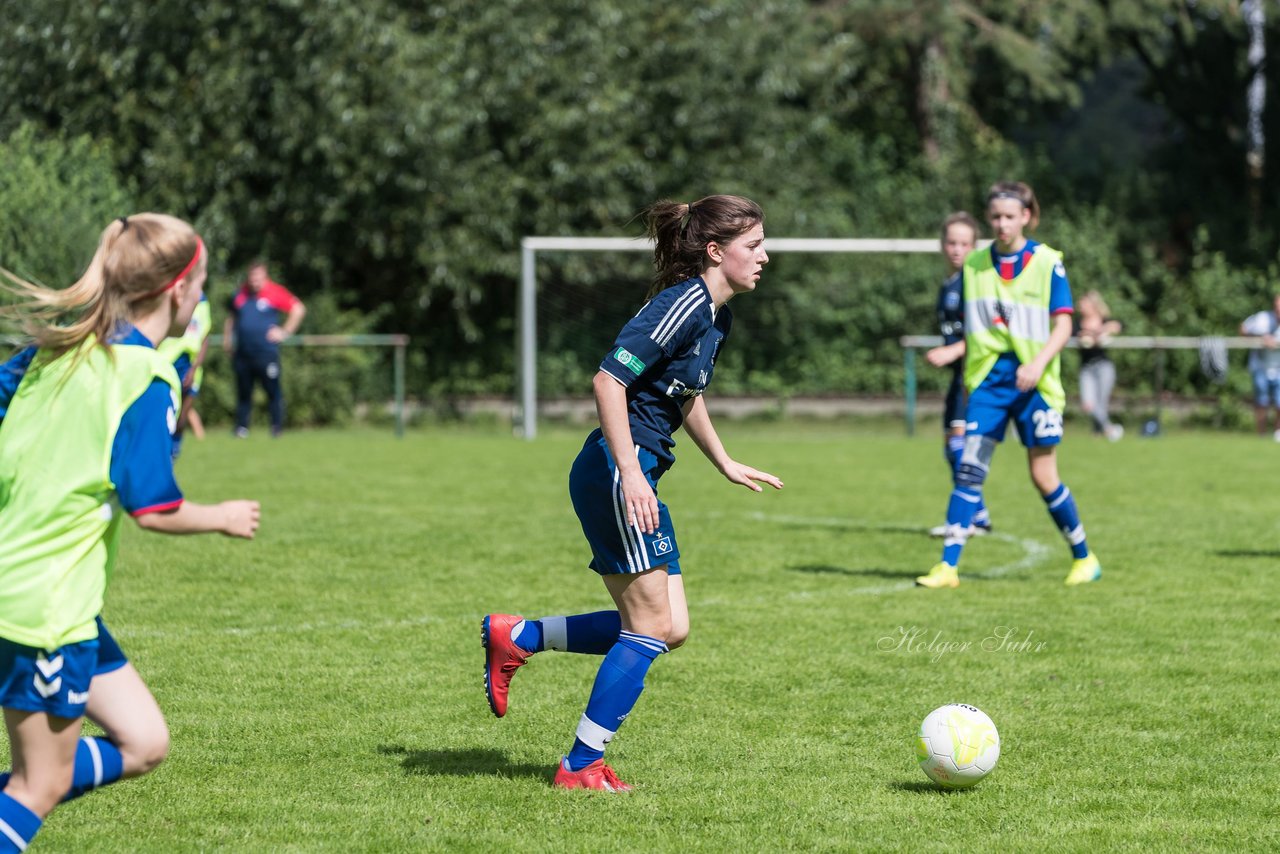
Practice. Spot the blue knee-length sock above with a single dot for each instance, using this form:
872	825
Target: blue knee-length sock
98	763
964	503
1062	507
591	634
618	685
955	449
18	825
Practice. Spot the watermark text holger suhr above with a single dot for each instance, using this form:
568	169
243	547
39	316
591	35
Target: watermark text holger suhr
921	641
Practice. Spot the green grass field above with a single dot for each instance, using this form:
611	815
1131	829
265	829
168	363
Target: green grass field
323	683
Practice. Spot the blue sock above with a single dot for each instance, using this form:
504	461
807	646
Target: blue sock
98	763
964	503
527	634
955	449
18	825
615	692
1062	507
591	634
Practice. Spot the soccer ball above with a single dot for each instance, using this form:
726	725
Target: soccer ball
958	746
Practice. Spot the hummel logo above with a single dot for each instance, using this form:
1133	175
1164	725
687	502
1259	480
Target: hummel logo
48	689
47	667
77	697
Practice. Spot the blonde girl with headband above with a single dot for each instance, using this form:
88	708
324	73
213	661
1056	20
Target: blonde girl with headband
1017	319
649	384
88	414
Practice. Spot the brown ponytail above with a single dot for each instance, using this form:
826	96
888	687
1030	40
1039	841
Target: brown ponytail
137	258
681	232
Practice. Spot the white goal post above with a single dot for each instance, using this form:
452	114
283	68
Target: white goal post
526	420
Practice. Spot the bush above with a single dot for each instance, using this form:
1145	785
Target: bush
56	197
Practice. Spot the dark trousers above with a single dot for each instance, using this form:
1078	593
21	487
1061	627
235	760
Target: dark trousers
266	372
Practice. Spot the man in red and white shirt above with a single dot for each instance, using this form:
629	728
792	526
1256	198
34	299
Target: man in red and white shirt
253	324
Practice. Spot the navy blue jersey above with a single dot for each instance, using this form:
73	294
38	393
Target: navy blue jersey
951	308
255	314
142	452
665	356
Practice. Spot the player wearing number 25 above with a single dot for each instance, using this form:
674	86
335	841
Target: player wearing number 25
1017	320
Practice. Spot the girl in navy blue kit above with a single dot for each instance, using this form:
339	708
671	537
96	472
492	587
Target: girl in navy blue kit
649	384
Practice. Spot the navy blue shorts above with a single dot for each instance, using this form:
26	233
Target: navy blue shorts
616	546
56	682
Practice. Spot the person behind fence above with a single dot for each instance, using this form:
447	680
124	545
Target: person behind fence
1094	327
1017	319
959	237
1264	367
254	330
649	384
85	438
188	351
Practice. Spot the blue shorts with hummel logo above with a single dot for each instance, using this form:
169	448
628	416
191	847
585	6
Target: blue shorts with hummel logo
56	682
616	546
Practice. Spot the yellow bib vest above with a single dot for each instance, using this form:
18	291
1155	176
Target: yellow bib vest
58	524
1010	317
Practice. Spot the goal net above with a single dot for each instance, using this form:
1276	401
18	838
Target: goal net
825	318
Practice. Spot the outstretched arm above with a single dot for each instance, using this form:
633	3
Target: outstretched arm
233	518
697	423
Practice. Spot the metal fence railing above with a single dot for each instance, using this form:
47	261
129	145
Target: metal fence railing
1159	345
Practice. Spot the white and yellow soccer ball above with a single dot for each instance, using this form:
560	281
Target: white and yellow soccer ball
958	746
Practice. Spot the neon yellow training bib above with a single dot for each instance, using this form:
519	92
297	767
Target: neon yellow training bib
1003	316
59	525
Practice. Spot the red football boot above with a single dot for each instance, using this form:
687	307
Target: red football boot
502	658
596	776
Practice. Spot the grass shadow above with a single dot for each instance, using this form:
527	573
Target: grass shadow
466	762
922	787
1273	553
827	569
852	525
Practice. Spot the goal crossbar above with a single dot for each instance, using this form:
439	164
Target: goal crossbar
527	351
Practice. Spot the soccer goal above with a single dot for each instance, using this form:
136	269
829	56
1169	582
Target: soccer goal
527	349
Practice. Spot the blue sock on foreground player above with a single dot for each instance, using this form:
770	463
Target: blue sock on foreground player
955	448
510	640
18	825
618	685
98	762
589	634
1062	507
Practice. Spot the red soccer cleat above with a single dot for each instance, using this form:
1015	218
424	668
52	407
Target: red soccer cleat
502	658
597	776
